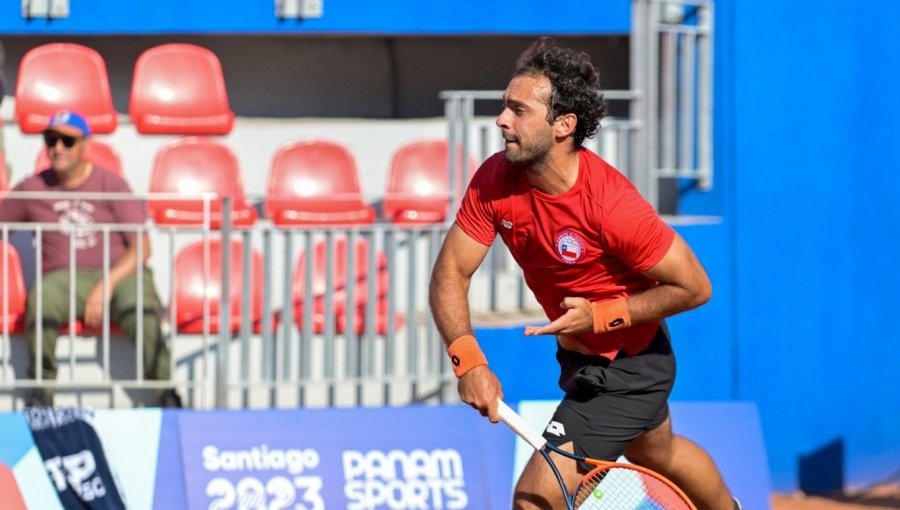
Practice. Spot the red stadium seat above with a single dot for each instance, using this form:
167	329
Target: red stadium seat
63	75
190	291
190	166
82	330
4	178
339	296
418	188
179	89
315	183
100	153
12	290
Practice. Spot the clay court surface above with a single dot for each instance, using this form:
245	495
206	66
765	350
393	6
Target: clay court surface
884	497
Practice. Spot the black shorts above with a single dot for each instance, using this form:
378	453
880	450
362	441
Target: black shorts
609	403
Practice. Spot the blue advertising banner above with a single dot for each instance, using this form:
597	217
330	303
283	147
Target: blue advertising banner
363	459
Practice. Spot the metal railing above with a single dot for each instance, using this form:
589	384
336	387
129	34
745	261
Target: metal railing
667	131
359	336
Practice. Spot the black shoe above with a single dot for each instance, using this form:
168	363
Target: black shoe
171	399
38	397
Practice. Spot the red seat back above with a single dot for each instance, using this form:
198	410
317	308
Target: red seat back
99	153
191	292
315	182
180	89
339	296
12	289
418	187
63	75
4	178
190	166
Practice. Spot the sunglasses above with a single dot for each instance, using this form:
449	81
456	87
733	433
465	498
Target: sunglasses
50	140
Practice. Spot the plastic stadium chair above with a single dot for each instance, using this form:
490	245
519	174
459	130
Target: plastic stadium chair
12	290
100	153
179	89
191	292
339	296
190	166
4	178
418	188
63	75
315	183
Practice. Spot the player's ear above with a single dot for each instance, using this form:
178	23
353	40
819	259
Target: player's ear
564	125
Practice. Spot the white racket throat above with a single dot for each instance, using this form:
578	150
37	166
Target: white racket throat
520	426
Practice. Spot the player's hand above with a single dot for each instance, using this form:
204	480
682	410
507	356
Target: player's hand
481	389
577	319
93	307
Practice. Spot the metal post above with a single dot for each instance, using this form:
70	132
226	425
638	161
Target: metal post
330	358
106	293
248	286
139	340
705	97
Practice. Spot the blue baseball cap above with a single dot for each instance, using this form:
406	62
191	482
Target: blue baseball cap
68	123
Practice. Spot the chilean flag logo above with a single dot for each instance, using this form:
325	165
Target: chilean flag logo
569	246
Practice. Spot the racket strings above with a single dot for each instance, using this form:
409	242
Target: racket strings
622	488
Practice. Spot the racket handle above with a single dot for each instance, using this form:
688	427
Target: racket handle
520	426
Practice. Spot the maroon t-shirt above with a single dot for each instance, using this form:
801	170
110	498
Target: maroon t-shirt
78	214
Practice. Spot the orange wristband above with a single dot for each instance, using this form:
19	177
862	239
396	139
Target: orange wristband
465	355
610	315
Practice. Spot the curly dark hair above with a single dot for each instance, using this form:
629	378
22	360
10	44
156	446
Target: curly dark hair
575	84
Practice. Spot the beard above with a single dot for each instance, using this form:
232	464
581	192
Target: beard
529	154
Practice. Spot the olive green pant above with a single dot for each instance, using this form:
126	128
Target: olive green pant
122	311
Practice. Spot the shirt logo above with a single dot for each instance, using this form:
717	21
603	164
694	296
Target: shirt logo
556	428
506	223
569	246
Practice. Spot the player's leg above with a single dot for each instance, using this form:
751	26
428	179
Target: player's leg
537	487
684	463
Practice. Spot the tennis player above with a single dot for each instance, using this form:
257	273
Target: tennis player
605	268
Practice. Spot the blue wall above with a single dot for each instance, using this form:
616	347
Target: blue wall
98	17
807	179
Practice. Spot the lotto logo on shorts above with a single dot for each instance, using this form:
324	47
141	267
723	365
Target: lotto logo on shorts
569	247
556	428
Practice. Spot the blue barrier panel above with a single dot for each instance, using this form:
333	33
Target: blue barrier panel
417	457
731	433
386	458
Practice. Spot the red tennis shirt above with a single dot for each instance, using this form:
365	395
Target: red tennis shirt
592	241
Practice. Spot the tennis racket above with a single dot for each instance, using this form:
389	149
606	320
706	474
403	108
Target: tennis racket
610	485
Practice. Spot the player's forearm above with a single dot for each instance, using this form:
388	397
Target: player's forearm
666	300
448	297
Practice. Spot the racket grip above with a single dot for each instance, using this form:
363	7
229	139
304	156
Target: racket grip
520	426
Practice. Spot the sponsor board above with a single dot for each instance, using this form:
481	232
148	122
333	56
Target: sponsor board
364	459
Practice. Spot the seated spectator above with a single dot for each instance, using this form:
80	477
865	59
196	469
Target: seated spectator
66	138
